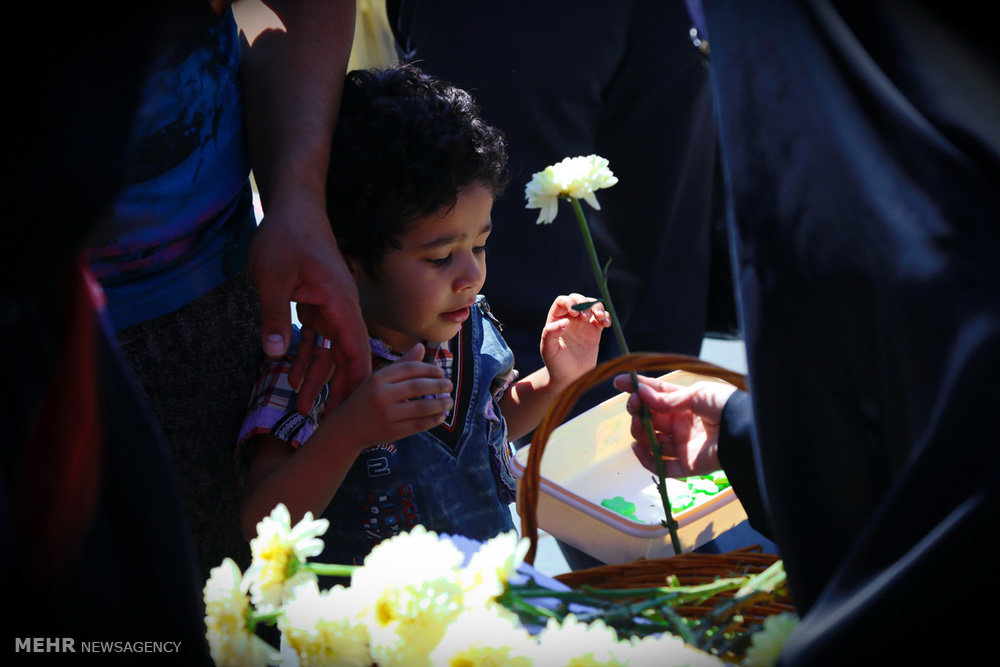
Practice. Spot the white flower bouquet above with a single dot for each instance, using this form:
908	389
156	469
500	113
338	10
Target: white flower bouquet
418	600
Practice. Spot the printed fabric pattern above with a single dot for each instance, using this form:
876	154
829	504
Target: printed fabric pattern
181	226
454	478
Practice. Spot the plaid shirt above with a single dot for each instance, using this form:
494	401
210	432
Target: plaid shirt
382	355
272	405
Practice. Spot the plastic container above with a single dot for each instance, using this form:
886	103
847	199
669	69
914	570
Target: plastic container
588	460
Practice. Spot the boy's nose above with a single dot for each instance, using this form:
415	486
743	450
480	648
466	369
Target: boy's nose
472	275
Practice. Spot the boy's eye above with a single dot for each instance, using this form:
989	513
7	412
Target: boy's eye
440	262
444	261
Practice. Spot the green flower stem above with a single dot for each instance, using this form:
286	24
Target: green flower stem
625	611
330	569
673	594
637	611
678	625
527	611
722	618
602	283
770	580
255	618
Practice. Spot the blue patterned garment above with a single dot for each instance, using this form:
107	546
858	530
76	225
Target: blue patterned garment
182	224
454	478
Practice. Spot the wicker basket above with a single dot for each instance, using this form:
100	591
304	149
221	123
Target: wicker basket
688	568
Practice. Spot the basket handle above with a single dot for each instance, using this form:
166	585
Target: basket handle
567	398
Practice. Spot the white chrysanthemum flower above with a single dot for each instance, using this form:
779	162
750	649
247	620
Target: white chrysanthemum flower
408	623
413	581
576	644
226	611
766	644
491	566
326	628
577	177
666	649
482	637
408	558
278	550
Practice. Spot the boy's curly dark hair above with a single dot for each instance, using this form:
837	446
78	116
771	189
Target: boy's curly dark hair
404	146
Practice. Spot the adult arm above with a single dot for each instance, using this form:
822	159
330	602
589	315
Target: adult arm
293	70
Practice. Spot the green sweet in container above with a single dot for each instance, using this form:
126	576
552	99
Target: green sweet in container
704	485
719	477
620	505
681	501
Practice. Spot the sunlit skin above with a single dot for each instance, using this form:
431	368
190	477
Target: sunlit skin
419	297
424	289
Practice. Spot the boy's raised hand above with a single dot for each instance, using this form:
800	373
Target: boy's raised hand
388	404
570	338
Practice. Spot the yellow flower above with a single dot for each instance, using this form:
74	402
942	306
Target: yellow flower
226	611
413	580
576	644
577	177
766	644
278	551
491	566
408	624
485	637
326	628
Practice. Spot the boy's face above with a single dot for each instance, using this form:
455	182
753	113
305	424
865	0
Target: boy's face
425	288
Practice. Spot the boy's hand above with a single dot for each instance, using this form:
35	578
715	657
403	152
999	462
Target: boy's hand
388	405
570	338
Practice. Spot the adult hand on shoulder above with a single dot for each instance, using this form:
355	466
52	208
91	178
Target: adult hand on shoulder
294	257
293	61
686	421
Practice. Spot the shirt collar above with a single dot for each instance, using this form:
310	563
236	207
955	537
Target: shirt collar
441	356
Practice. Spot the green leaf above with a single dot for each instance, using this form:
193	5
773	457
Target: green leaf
582	307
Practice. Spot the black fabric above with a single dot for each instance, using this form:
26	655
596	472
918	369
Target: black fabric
862	149
171	356
562	79
70	105
736	455
68	114
132	578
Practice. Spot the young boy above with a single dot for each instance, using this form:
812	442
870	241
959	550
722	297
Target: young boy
425	439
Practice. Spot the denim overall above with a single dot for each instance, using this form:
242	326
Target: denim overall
453	478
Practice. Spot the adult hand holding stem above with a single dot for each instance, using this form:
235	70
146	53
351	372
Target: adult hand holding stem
574	179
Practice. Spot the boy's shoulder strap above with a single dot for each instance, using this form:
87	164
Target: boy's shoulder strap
484	306
463	370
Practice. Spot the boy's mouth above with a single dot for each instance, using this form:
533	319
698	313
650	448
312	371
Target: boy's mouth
458	315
